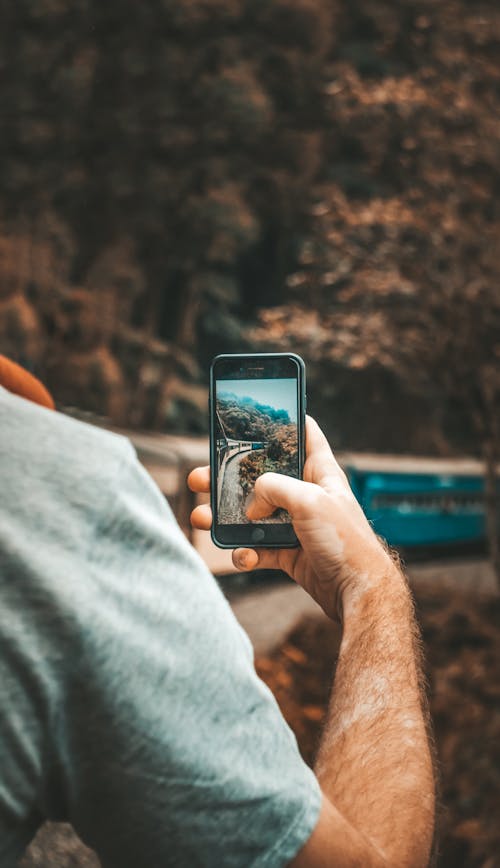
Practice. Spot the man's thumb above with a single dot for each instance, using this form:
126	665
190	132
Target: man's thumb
273	490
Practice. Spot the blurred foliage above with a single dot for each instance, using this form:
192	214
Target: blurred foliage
395	302
180	179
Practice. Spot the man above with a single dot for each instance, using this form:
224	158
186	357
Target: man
129	702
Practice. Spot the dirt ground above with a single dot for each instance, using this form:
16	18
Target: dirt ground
461	631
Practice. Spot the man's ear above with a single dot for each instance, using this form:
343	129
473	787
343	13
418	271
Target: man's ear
16	379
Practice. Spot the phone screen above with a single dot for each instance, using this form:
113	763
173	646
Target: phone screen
257	407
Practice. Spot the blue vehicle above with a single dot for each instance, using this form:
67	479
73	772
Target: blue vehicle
417	502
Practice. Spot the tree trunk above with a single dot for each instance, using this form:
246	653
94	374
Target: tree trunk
491	501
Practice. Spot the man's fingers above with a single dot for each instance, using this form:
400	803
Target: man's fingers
245	559
201	517
250	559
199	480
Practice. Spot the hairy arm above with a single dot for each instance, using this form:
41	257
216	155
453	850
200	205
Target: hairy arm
374	762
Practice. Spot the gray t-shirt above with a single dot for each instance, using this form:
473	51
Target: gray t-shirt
129	704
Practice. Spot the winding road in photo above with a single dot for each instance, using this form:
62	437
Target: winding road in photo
233	499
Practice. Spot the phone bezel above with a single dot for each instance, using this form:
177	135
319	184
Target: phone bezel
230	536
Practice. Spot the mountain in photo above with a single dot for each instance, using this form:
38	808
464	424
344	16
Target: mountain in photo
247	419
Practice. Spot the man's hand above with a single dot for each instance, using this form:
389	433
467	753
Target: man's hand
374	762
339	555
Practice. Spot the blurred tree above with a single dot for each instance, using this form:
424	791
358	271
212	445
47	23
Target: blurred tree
204	159
188	131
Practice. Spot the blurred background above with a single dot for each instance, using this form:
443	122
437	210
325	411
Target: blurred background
179	179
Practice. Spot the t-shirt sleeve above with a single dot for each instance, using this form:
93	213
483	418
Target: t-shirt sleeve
164	746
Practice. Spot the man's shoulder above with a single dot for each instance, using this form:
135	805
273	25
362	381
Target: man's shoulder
44	444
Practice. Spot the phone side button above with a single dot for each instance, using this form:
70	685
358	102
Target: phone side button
258	534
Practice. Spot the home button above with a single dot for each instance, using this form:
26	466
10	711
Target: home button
258	534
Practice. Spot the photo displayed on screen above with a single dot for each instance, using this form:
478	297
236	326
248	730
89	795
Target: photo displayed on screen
256	433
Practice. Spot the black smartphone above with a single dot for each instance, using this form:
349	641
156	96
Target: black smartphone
257	424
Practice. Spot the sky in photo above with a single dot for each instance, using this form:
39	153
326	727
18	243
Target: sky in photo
280	394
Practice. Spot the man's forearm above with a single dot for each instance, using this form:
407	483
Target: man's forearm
374	761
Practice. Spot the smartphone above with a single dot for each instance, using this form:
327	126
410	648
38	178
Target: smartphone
257	409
